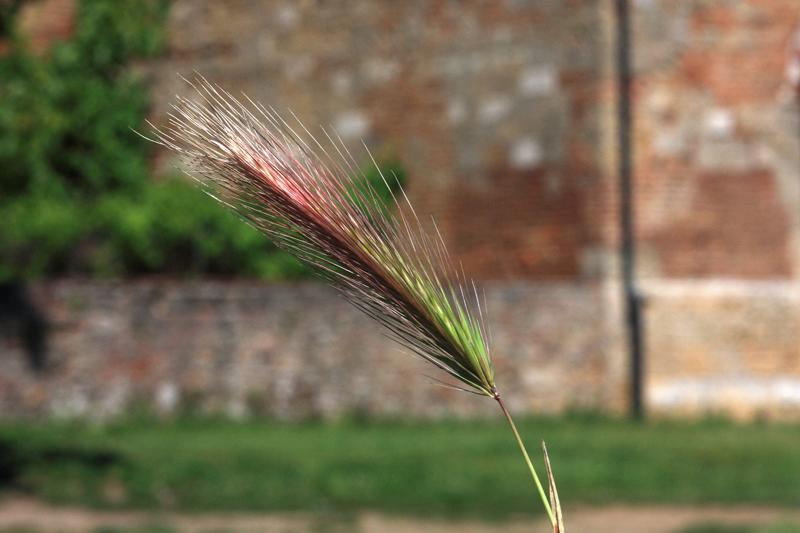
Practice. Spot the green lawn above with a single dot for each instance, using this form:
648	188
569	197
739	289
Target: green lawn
421	468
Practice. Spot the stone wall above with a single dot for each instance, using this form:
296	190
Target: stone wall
717	198
717	138
496	109
724	347
298	350
292	351
504	115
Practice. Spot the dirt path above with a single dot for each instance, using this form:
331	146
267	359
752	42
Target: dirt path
23	513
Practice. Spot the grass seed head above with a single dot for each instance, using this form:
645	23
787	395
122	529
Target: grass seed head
285	183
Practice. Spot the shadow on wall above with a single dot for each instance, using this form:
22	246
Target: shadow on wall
20	319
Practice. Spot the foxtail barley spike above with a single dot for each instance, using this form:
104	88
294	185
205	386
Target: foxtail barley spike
282	181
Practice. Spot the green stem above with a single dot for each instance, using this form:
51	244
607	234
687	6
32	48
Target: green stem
539	486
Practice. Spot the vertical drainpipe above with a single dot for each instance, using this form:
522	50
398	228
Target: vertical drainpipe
632	300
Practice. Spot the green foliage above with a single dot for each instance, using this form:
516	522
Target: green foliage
66	118
8	12
167	227
175	227
383	184
75	193
38	235
441	468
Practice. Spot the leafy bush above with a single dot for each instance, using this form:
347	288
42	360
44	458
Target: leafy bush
66	118
175	227
166	227
76	196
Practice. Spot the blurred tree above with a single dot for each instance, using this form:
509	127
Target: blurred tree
75	193
66	117
8	13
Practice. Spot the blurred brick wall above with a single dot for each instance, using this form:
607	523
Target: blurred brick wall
293	351
495	108
504	114
717	152
45	22
724	347
717	170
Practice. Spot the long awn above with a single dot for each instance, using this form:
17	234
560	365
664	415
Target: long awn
285	183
